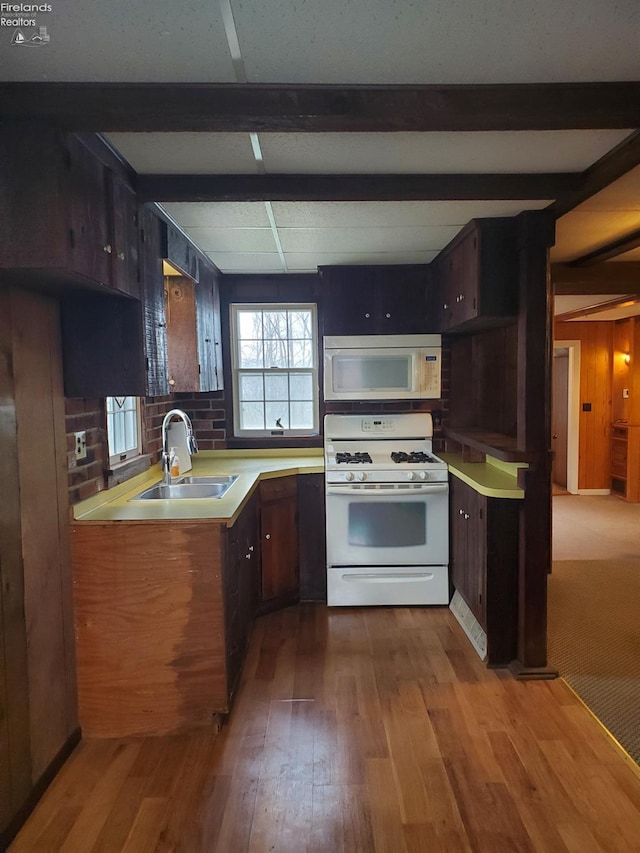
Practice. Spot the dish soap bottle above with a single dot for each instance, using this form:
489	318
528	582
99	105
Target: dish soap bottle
174	463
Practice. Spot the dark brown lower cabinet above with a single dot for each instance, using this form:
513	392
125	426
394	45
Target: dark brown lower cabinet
484	565
278	543
312	540
241	579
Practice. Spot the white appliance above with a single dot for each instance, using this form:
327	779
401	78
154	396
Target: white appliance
382	367
387	499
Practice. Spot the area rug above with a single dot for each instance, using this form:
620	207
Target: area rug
594	640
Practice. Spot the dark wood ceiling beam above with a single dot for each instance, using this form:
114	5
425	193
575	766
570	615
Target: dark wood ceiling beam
324	108
463	187
615	163
613	249
625	301
605	278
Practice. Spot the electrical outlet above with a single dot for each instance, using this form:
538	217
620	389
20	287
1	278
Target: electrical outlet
81	445
625	393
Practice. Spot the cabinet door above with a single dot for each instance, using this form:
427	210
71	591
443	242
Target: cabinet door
126	270
465	276
208	323
182	340
349	301
155	320
402	301
311	525
458	534
279	539
180	252
469	546
91	244
477	555
240	586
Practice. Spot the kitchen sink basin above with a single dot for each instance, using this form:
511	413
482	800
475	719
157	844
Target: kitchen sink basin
222	480
188	488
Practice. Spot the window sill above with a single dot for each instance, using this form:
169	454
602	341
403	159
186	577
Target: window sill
268	441
123	471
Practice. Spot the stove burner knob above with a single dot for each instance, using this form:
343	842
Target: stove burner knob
411	475
362	475
349	476
423	475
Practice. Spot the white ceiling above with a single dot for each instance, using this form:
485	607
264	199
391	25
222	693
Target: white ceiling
351	42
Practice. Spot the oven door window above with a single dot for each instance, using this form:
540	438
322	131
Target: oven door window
388	524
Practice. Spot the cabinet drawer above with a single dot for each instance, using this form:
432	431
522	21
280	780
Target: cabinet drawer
277	488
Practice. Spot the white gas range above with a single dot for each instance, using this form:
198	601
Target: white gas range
387	511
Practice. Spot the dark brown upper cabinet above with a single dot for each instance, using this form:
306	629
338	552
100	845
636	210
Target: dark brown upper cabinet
153	301
476	277
180	252
73	221
365	300
209	331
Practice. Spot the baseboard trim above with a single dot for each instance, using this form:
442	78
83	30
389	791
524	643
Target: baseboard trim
594	491
531	673
23	813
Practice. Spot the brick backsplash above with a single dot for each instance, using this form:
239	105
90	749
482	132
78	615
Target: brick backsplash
88	476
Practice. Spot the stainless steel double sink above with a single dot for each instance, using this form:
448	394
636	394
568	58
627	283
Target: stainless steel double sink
187	488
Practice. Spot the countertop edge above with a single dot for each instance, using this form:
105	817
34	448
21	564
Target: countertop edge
484	478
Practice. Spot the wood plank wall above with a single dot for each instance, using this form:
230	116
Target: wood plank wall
39	705
596	371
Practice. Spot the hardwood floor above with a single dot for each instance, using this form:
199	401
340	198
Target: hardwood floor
354	731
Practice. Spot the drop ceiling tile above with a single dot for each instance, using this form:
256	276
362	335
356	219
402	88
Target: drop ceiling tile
436	153
240	240
374	239
339	214
141	41
249	214
579	233
237	262
304	261
452	41
186	153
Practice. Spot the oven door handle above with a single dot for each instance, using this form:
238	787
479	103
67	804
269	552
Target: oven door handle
353	490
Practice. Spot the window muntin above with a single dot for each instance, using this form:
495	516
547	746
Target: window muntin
275	371
123	428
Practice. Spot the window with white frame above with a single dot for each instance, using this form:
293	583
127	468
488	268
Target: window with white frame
275	369
123	428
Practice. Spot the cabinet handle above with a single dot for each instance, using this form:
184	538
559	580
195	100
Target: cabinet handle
161	325
107	248
121	256
267	536
466	516
460	512
388	316
172	382
445	306
247	556
207	340
367	316
251	547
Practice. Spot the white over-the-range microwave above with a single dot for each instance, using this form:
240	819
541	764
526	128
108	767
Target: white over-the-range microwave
382	367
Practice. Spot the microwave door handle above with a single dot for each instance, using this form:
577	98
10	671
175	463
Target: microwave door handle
351	490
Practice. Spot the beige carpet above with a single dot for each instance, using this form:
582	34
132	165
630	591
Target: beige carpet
594	640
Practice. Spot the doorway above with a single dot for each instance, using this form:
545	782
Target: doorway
565	414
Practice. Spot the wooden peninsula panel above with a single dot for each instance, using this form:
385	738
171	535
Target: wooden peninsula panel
149	625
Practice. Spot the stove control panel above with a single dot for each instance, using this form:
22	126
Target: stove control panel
378	424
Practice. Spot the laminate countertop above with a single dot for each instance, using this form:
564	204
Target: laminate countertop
493	478
251	466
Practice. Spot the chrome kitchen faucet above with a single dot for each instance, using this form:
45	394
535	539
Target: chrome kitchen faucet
192	444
